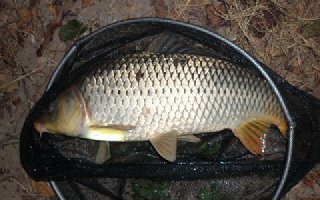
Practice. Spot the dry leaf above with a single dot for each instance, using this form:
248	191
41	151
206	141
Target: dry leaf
312	29
259	43
8	46
4	17
86	3
192	11
51	28
53	8
213	11
27	20
269	18
316	92
62	9
160	8
2	78
229	32
9	41
6	85
42	188
33	3
310	179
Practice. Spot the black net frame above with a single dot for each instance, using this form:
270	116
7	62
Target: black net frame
301	110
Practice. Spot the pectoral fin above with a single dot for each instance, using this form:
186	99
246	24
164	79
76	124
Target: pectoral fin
166	145
105	133
103	153
189	138
251	134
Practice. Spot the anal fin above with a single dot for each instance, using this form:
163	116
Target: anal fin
189	138
166	145
103	153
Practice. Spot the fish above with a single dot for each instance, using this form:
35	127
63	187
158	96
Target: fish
164	98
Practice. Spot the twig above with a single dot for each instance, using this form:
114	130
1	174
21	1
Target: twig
28	182
8	175
10	143
180	11
23	187
7	139
308	19
21	77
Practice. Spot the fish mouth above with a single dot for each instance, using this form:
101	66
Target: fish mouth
40	127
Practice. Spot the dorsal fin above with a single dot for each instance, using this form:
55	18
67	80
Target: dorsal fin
170	43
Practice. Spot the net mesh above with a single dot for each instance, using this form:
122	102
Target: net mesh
217	167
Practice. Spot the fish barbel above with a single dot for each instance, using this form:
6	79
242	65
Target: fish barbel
164	98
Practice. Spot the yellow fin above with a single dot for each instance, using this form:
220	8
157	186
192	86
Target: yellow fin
251	134
105	133
189	138
166	145
103	153
283	127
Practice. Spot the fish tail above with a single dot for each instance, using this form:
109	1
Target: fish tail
283	127
251	132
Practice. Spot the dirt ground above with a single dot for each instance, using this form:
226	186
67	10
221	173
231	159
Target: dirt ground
284	34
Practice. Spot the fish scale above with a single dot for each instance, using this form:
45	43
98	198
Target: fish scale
186	94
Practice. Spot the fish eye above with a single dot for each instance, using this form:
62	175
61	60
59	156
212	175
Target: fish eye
51	108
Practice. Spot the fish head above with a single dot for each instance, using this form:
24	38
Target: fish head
65	115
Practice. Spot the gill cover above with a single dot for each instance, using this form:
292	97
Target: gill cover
67	114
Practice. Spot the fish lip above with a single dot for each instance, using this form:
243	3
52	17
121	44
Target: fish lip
40	127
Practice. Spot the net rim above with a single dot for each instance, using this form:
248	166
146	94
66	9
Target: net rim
215	36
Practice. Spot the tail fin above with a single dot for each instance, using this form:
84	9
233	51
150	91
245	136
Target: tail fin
252	132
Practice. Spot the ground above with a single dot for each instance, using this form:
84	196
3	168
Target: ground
284	34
